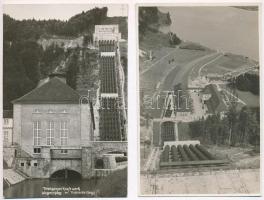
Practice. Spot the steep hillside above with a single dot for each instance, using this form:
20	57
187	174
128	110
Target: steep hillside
25	60
150	20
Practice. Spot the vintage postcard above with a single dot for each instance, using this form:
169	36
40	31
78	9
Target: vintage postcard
64	100
199	100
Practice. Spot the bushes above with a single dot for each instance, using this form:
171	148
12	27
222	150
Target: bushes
235	128
248	82
174	39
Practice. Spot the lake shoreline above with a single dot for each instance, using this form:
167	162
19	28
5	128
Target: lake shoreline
229	34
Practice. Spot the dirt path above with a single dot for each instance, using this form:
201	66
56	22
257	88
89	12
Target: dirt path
183	74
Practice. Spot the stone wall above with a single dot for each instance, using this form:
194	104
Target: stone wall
41	170
56	165
156	134
103	147
84	164
87	162
45	168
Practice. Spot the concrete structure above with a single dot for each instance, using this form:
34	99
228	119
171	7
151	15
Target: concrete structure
54	132
185	142
167	131
106	32
111	93
244	182
164	130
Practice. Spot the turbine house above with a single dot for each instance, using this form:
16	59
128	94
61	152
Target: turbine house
50	128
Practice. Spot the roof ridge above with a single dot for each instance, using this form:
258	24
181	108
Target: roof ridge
66	85
49	92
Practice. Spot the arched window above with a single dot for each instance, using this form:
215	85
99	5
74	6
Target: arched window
99	164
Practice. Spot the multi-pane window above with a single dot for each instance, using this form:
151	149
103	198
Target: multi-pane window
64	151
36	111
5	136
51	111
64	133
50	133
37	150
36	132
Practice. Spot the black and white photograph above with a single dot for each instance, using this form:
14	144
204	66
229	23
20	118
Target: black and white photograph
65	100
199	85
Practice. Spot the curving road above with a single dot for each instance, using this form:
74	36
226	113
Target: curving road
179	74
194	68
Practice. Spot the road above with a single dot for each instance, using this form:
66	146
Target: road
194	67
201	68
158	61
180	74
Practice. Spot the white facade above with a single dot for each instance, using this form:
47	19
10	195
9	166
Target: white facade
106	32
7	131
51	125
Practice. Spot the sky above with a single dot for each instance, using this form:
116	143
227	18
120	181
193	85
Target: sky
57	11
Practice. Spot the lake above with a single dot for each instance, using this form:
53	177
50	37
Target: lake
226	29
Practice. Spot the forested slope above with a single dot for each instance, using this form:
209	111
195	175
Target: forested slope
25	62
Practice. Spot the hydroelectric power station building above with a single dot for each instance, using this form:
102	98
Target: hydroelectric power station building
54	129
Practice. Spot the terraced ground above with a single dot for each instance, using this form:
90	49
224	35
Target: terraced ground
173	68
161	67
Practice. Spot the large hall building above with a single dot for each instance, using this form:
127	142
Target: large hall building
54	129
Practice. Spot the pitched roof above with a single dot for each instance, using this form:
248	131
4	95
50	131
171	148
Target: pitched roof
54	92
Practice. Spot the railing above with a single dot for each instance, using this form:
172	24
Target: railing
124	163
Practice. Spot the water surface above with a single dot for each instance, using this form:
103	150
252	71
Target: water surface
35	188
223	28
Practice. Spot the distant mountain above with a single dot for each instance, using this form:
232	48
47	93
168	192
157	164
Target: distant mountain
76	25
152	18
